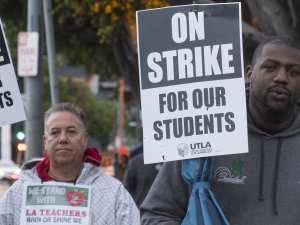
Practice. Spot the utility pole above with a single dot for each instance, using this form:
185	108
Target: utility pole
34	86
137	122
51	51
6	142
121	90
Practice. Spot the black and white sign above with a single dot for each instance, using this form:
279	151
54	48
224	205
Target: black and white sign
4	58
192	81
11	106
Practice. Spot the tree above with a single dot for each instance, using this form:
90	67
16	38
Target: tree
101	115
108	28
112	23
101	34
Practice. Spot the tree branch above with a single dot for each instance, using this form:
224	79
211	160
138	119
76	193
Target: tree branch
88	34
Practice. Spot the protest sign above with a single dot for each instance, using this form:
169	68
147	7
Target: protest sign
192	82
11	106
55	203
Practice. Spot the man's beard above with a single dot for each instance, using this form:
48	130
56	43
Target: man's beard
270	113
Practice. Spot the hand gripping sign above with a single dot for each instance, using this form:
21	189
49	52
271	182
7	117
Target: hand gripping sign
192	82
55	203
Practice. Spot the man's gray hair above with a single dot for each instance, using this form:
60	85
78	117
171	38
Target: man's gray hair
66	107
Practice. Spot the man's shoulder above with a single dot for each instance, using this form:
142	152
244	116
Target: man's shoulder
32	163
107	188
107	180
95	176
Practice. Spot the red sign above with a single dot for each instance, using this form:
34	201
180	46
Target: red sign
28	53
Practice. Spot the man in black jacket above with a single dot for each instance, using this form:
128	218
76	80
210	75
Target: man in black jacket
139	178
262	186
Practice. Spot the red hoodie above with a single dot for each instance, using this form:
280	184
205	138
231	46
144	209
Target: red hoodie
91	155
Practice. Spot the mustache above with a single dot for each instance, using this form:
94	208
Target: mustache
281	87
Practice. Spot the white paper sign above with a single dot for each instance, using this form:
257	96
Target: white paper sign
192	82
11	106
28	43
55	203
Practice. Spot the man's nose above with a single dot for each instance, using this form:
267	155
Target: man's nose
63	137
281	76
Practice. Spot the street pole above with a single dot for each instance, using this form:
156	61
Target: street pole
137	122
34	128
51	51
6	142
121	90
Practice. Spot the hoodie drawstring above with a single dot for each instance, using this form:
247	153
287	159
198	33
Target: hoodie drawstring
276	171
42	175
277	160
262	170
78	175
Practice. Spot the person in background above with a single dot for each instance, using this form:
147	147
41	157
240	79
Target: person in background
139	178
122	158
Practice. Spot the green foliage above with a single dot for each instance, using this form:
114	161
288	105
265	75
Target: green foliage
101	115
96	58
87	28
108	17
84	29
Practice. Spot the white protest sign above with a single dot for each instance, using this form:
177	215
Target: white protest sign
55	203
11	106
28	44
192	82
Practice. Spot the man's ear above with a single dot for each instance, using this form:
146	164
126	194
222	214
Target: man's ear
85	138
248	73
44	140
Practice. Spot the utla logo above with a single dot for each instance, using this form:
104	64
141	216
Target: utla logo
200	145
183	149
75	198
